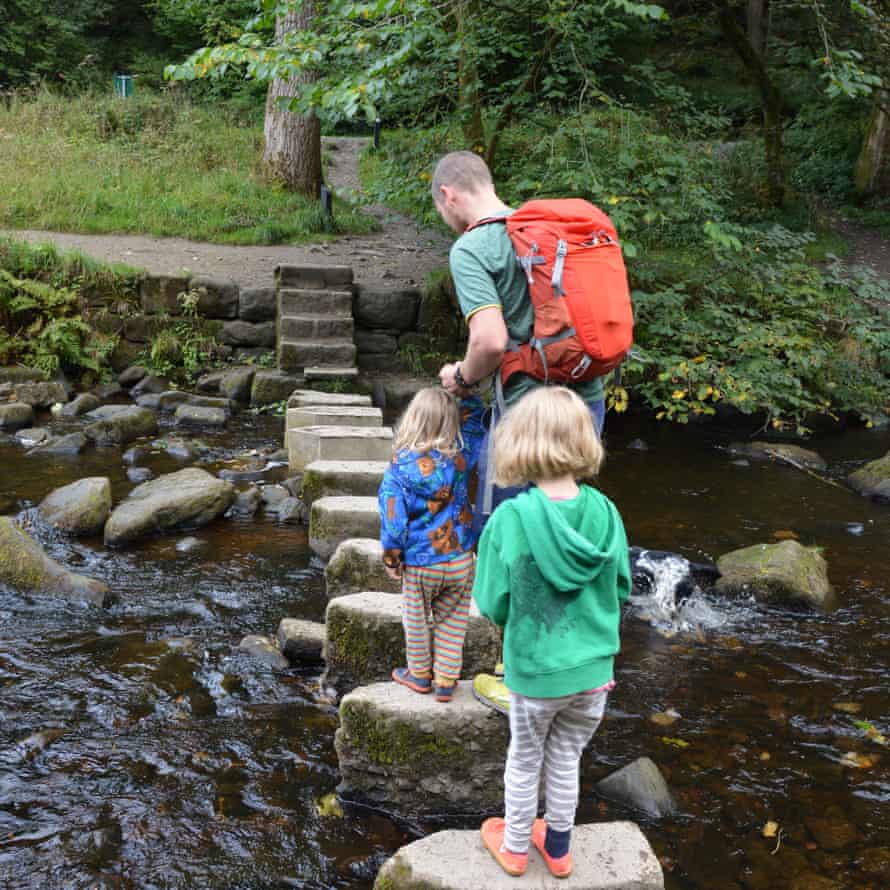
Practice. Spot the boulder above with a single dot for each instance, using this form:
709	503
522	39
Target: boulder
150	400
25	567
605	855
257	304
640	785
309	444
357	565
265	651
273	495
779	451
182	450
246	502
408	753
786	572
150	384
365	640
291	510
106	391
236	384
31	436
71	444
132	375
273	386
138	475
80	508
246	333
378	308
217	296
171	399
160	294
301	641
332	520
873	480
227	405
188	498
123	426
136	455
196	415
303	398
40	395
83	404
341	478
209	383
15	416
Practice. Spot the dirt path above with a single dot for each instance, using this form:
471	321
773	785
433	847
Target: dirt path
401	254
868	247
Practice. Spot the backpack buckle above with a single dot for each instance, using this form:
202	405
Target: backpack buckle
581	367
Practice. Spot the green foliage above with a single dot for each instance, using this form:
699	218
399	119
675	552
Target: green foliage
185	346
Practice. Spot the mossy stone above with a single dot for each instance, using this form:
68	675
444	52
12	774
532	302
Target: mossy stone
873	480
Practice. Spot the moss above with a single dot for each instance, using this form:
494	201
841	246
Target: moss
312	490
352	646
398	875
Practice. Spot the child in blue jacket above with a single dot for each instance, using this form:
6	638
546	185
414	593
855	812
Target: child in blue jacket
426	533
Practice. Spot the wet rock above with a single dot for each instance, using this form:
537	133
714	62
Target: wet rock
149	384
357	565
132	375
640	785
171	399
83	404
123	426
217	296
637	445
876	864
150	400
178	448
106	391
236	384
279	456
247	502
606	856
779	451
257	304
187	498
294	485
303	398
15	416
272	386
301	641
32	436
136	455
873	480
138	475
785	572
25	567
832	831
80	508
273	495
245	333
227	405
196	415
264	650
190	545
72	444
40	395
812	881
209	383
8	504
292	510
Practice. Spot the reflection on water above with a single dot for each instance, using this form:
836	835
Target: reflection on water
138	749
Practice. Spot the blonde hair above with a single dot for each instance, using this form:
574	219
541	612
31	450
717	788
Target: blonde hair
461	170
548	433
430	422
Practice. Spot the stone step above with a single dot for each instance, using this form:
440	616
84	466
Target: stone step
302	398
408	753
323	375
331	415
313	276
303	327
308	444
298	354
334	519
327	303
342	478
364	640
606	856
357	565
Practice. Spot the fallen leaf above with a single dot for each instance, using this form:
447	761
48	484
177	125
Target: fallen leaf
328	807
676	743
771	829
741	675
848	707
857	761
765	755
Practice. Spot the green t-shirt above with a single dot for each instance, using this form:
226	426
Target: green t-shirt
486	274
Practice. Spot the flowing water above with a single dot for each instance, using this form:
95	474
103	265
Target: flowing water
139	750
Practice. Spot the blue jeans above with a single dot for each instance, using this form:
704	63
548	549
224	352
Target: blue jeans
499	495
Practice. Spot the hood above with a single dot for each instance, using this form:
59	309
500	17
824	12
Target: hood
571	541
428	473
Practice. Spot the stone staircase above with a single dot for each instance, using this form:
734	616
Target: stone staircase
315	326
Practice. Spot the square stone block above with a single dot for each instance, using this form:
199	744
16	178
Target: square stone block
342	478
337	443
334	519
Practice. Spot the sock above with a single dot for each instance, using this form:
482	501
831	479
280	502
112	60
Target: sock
556	843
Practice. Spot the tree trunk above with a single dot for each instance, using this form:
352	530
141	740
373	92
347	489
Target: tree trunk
469	105
293	141
873	166
758	25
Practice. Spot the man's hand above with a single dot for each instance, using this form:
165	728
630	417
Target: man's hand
394	574
446	378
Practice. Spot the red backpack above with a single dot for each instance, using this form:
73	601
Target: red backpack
583	324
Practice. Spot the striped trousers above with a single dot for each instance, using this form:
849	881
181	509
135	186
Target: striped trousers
439	595
548	734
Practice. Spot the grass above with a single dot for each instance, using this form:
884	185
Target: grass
153	164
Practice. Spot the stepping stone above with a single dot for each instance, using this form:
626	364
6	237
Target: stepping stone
328	374
333	520
302	398
408	753
342	478
300	353
313	276
313	443
357	565
364	640
606	856
300	640
331	415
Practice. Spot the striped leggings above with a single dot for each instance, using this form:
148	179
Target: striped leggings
550	733
439	593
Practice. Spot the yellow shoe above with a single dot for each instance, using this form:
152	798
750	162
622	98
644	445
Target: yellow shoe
499	670
492	692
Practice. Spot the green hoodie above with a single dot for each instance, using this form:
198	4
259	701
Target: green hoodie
553	574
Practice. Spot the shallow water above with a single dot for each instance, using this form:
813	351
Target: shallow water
137	749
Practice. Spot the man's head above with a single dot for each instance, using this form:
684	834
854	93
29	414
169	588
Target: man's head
462	185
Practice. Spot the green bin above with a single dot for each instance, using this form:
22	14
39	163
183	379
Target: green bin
123	85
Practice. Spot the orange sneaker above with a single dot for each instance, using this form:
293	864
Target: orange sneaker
493	837
560	867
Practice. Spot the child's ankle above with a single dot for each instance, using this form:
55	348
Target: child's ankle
557	843
446	682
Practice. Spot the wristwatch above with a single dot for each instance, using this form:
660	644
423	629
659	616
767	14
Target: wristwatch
460	380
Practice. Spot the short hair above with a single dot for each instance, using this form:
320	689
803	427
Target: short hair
548	433
430	422
462	170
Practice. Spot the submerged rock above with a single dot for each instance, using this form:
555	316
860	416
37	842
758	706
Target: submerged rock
779	451
72	444
189	545
122	426
190	497
264	650
32	436
640	785
273	495
25	567
15	416
301	640
784	573
80	508
873	480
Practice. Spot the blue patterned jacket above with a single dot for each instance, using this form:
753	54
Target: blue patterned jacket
425	514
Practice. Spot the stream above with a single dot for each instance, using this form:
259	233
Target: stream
139	749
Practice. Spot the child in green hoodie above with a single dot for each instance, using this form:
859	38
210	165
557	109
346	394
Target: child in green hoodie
552	571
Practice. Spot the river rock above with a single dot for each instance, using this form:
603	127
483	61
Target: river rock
410	754
876	864
640	785
272	386
187	498
779	451
783	572
189	544
246	502
605	855
357	565
273	495
80	508
83	404
332	520
236	384
196	415
264	650
136	455
15	416
40	395
217	296
182	450
122	426
71	444
832	830
873	480
301	641
171	399
150	400
32	436
132	375
106	391
138	475
150	384
291	510
209	383
25	567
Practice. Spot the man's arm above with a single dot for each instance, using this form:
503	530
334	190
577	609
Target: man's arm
485	349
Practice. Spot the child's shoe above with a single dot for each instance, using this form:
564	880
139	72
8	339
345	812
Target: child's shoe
445	693
406	678
560	866
492	692
493	837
